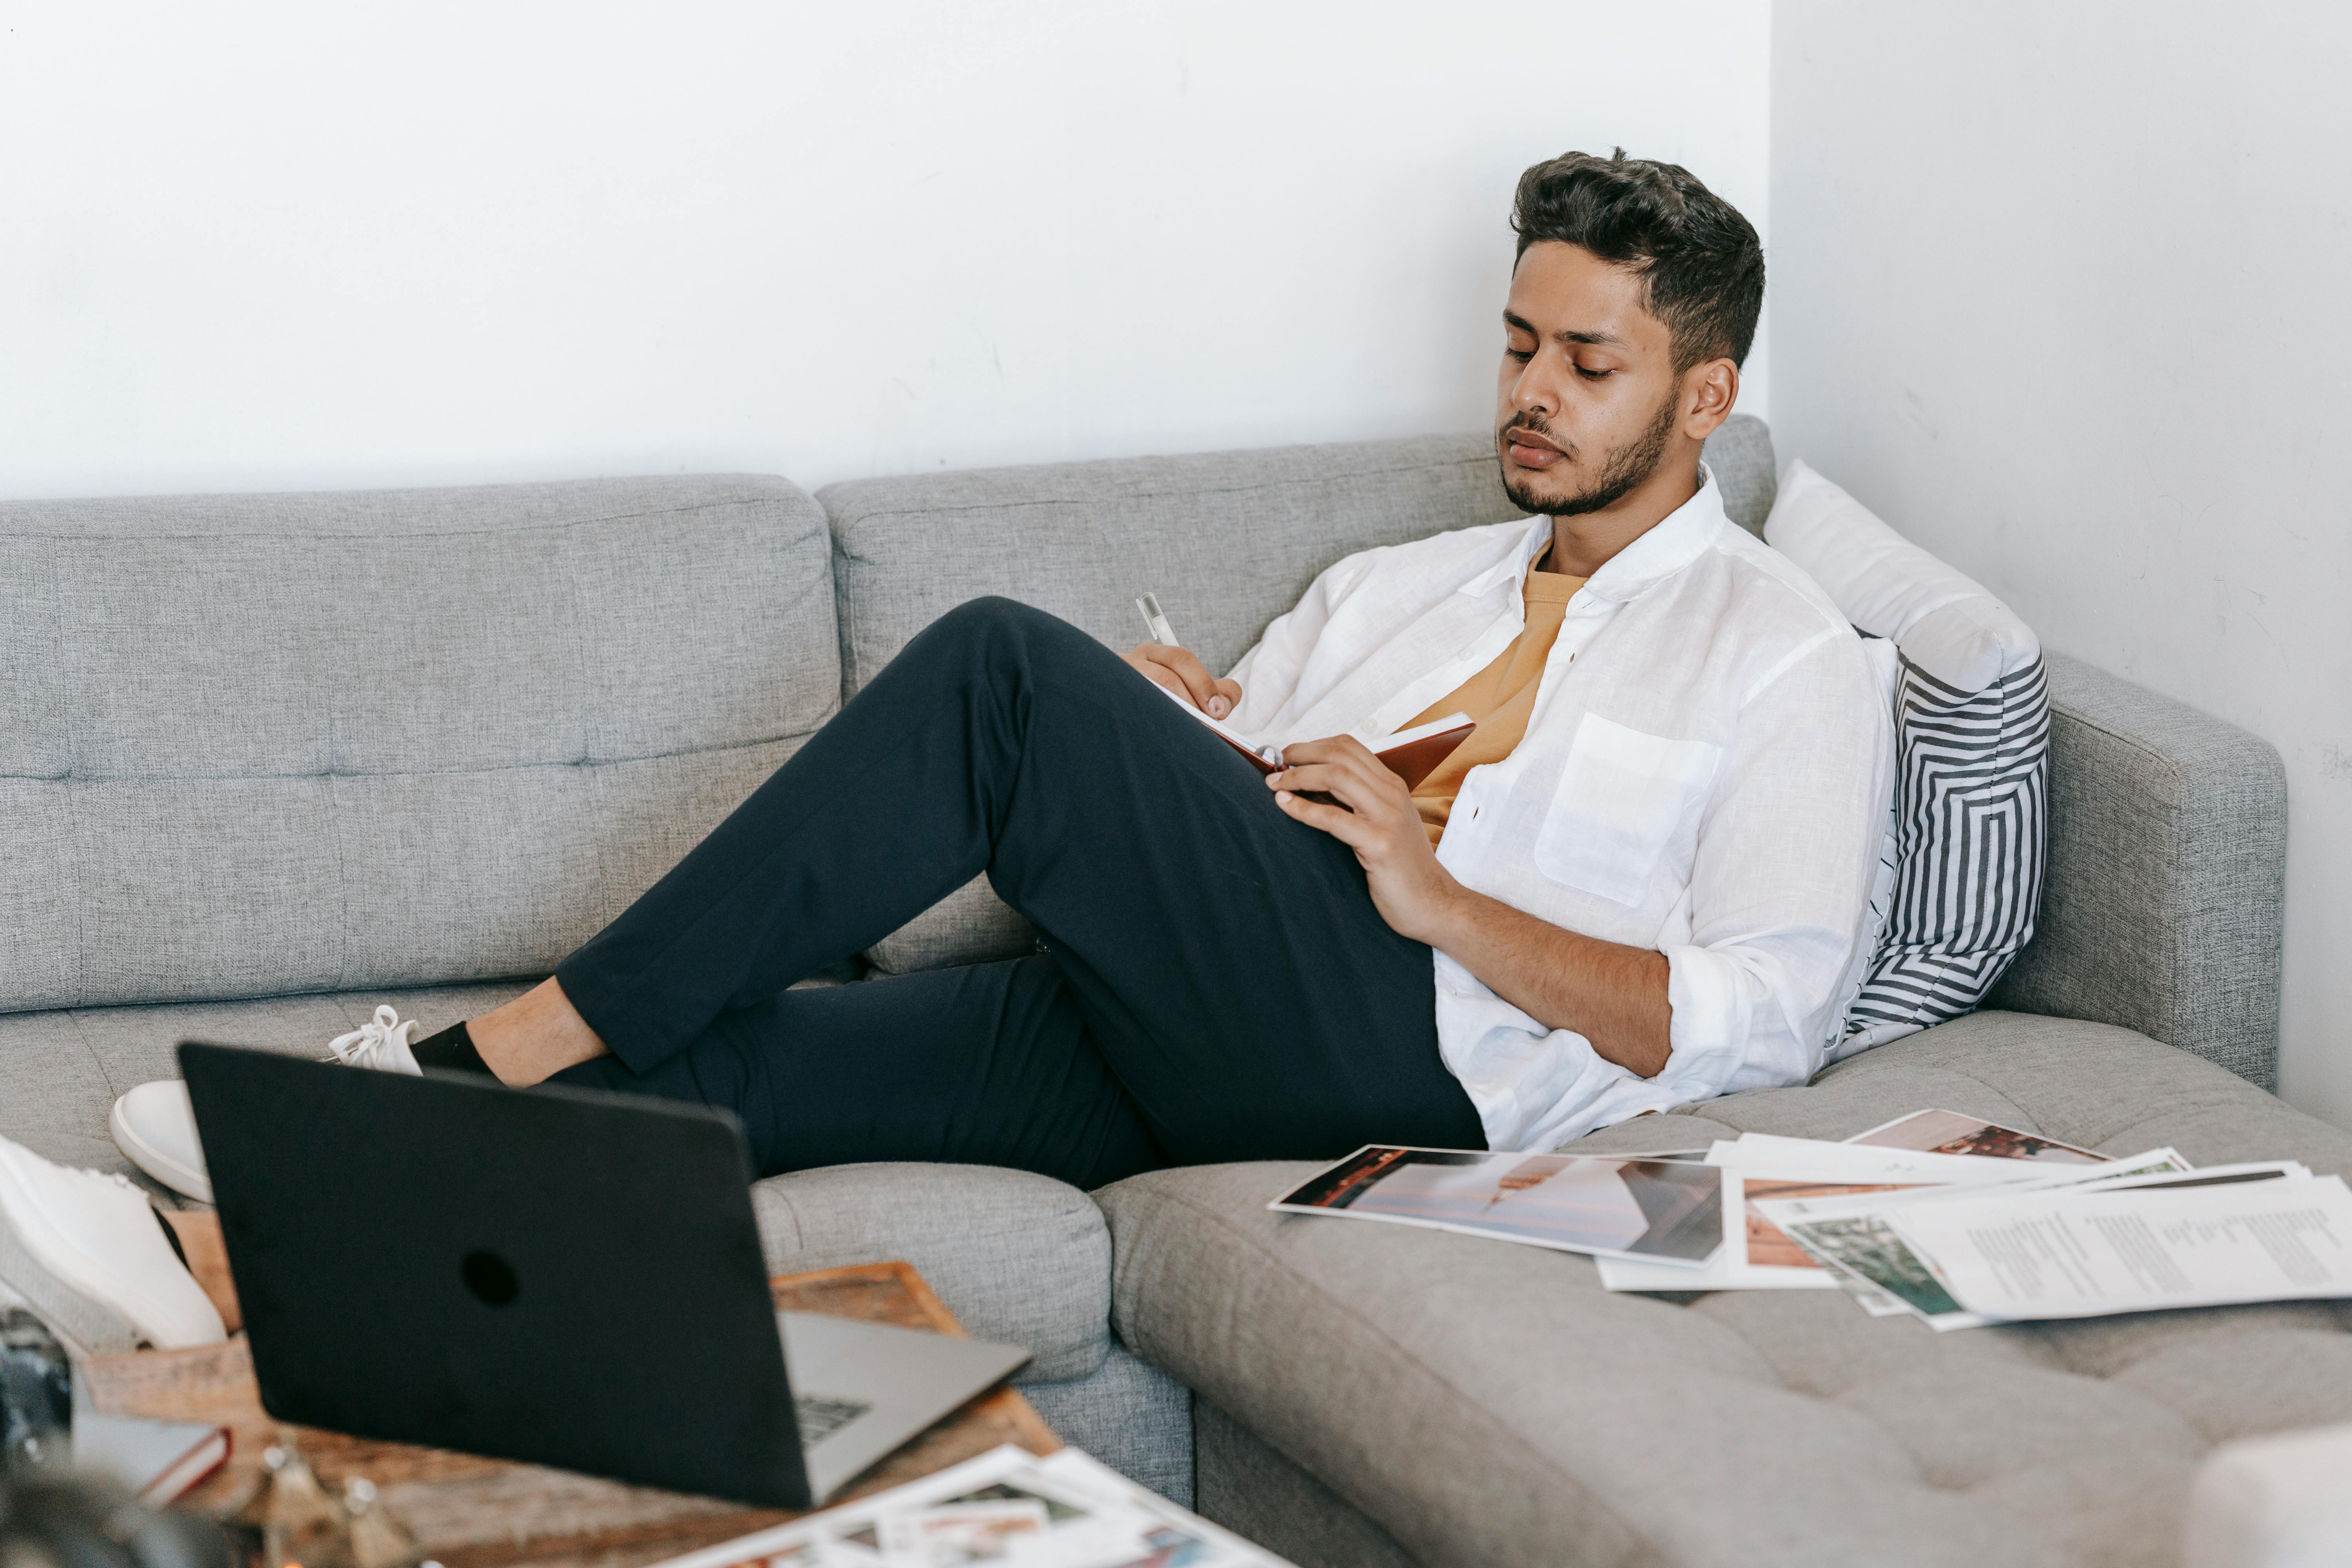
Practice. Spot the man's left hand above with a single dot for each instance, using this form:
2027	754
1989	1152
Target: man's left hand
1380	823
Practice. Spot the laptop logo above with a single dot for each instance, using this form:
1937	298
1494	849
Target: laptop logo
489	1279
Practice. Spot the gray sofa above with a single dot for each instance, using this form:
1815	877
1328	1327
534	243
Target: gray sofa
269	761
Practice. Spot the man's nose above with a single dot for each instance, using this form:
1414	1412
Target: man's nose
1536	391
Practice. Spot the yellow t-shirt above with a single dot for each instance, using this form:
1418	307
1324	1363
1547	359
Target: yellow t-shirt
1499	697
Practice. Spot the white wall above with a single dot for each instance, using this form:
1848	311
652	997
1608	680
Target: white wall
2061	291
284	245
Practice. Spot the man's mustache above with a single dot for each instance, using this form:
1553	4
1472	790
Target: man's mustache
1534	425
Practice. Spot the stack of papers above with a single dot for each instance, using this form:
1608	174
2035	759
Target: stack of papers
1007	1507
1961	1223
1953	1219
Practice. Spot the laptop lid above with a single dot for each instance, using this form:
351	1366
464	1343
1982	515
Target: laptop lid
549	1275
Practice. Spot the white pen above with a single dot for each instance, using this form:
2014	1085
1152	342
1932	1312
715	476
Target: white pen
1155	623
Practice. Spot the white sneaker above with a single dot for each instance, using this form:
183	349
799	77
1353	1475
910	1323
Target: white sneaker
381	1043
87	1252
155	1126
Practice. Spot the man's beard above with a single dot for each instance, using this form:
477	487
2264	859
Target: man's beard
1628	468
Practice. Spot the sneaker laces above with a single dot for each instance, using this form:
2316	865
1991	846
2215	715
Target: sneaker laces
366	1046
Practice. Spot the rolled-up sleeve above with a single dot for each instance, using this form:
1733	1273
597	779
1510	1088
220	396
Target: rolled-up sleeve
1780	879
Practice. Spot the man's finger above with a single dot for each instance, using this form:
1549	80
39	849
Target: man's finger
1197	681
1332	773
1303	776
1339	823
1347	785
1158	674
1164	665
1161	675
1169	667
1332	748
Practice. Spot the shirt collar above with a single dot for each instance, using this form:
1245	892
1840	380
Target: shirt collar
1513	566
1671	543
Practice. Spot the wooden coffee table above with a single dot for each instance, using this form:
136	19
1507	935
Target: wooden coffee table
473	1512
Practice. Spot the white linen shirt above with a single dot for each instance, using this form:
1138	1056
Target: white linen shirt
1707	772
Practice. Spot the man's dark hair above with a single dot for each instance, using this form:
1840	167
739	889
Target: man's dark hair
1701	261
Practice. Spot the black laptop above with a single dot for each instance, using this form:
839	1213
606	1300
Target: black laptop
557	1276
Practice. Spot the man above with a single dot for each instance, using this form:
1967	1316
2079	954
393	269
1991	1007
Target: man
1642	881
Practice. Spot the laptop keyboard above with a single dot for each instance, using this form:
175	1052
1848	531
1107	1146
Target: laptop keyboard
820	1417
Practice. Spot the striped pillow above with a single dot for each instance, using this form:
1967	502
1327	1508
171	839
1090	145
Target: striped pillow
1960	880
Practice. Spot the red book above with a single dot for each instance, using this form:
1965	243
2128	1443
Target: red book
160	1460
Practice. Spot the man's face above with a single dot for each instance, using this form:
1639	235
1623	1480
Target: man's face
1588	398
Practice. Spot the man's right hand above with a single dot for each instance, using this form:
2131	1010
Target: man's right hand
1177	670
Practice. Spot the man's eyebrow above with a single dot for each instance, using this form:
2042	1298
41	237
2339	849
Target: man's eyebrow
1565	335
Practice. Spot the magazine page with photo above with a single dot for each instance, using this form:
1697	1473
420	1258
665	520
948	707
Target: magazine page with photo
1951	1132
1634	1207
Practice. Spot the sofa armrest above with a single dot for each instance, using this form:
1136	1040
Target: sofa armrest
2168	864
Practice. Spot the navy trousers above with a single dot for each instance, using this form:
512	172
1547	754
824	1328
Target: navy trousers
1212	982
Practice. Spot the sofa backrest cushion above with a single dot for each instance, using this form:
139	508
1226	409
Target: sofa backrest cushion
263	743
1227	539
1961	877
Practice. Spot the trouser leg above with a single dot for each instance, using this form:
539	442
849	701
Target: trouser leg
1227	962
988	1065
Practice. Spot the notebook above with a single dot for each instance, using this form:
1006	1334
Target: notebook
1411	754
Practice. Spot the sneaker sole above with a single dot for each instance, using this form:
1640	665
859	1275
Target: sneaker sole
87	1325
180	1178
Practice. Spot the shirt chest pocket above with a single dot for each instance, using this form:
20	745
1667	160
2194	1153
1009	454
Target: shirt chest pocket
1624	797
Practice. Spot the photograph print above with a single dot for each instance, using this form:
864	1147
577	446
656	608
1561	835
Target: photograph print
1950	1133
1661	1209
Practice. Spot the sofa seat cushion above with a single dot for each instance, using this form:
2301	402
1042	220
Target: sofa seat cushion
1020	1259
61	1071
1489	1402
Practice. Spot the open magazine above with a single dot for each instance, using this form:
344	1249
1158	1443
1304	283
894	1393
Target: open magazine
1955	1220
1962	1222
1952	1132
1008	1507
1923	1153
2089	1245
1640	1207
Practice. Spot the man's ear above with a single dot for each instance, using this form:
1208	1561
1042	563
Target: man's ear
1710	388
